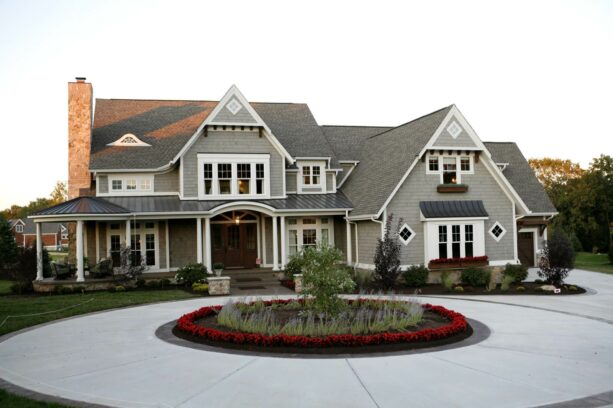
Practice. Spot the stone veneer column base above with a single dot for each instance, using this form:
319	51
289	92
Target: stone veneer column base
298	283
219	285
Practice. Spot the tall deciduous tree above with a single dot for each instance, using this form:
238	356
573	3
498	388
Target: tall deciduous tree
59	193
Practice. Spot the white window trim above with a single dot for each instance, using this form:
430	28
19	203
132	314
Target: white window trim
19	228
299	227
233	159
406	242
124	178
452	124
431	237
142	231
497	238
458	159
322	178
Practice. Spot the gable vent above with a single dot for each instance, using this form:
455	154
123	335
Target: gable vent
233	106
454	129
128	140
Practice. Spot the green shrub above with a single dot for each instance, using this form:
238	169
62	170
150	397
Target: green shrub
520	289
576	243
152	284
20	288
518	272
164	283
475	277
191	273
573	288
64	290
539	281
447	280
506	282
140	283
362	277
324	279
198	287
416	275
293	266
459	288
120	288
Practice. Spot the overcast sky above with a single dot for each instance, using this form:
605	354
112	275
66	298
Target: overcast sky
539	73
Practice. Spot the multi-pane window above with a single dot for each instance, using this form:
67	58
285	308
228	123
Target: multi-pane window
442	241
117	185
243	178
325	238
259	178
135	247
145	184
19	228
309	237
497	231
311	175
130	184
405	234
293	242
468	240
150	249
224	176
433	163
465	163
208	178
449	170
309	231
116	249
456	239
311	221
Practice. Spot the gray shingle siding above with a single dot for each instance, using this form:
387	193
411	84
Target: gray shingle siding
291	181
445	139
162	242
420	186
103	184
330	182
340	235
368	232
167	182
182	236
232	142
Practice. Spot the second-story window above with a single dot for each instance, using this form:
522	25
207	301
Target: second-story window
449	170
19	228
259	178
130	184
224	176
243	178
208	178
433	163
311	175
117	185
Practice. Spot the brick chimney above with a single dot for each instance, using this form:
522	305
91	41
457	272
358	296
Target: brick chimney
80	112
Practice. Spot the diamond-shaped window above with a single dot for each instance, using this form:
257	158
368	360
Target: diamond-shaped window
233	106
497	231
406	234
454	129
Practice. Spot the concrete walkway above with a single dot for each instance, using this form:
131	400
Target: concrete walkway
533	357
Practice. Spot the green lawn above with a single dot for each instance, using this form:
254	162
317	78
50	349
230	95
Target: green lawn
5	286
593	262
77	304
15	401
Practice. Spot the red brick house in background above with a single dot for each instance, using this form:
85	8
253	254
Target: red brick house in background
55	234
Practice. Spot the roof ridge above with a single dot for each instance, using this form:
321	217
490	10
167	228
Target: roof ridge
194	100
411	121
357	126
501	142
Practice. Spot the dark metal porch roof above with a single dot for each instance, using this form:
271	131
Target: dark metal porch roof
452	209
84	205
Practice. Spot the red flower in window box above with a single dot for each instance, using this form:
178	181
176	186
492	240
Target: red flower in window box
443	263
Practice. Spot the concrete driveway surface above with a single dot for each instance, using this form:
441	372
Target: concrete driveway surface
542	350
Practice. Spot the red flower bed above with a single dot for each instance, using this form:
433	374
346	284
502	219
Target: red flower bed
457	324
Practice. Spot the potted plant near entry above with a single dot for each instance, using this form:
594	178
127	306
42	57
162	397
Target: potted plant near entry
218	268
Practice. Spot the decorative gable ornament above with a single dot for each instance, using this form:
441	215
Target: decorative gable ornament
454	129
128	140
234	106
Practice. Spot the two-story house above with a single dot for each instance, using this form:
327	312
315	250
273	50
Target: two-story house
54	235
251	183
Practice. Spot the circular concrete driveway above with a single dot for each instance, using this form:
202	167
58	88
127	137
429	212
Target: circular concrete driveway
542	350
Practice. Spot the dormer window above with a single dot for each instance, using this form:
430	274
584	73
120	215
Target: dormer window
128	140
130	184
235	175
19	228
450	174
311	175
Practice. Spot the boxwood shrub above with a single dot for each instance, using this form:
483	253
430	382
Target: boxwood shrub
518	272
416	276
475	277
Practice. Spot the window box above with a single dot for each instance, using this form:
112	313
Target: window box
451	263
452	188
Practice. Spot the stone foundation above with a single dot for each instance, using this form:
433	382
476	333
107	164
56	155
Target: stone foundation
219	285
90	285
434	276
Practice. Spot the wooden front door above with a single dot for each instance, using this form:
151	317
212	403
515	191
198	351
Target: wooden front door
525	248
234	245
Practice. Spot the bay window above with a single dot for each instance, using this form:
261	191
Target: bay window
236	175
457	240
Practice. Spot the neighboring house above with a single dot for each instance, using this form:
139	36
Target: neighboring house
54	235
248	183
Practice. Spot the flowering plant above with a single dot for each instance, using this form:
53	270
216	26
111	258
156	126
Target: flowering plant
460	260
186	323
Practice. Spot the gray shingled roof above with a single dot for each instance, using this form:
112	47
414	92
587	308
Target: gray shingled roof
520	175
46	227
168	125
385	158
452	208
346	141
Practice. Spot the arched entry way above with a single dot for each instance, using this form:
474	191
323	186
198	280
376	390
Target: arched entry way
234	239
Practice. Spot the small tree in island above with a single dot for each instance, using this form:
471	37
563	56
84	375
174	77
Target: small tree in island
387	255
558	258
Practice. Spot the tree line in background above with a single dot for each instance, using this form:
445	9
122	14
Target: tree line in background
583	198
57	196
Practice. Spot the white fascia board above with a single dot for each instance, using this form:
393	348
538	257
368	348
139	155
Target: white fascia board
154	170
422	218
349	161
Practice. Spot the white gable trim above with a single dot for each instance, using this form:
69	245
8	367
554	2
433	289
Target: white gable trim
486	157
233	92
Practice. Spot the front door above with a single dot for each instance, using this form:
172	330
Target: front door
234	245
525	248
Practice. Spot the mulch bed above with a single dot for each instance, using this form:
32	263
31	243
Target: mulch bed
439	327
531	288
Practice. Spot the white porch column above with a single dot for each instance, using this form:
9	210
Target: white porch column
275	245
259	234
80	271
97	242
349	248
283	242
128	234
208	256
199	240
264	258
39	252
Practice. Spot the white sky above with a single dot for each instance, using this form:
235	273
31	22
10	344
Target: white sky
539	73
